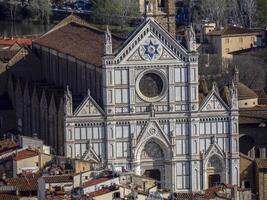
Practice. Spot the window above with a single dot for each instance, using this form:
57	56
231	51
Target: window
77	133
99	148
227	40
182	175
227	50
83	133
122	131
122	150
195	147
194	93
77	150
121	95
181	93
180	75
182	147
181	129
207	128
241	40
121	77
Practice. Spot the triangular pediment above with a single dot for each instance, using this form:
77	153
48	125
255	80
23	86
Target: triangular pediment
89	107
153	130
90	155
213	102
150	43
214	149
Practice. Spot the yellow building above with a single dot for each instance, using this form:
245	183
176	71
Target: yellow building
229	39
261	178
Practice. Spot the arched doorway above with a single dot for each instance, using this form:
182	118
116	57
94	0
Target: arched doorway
152	161
215	171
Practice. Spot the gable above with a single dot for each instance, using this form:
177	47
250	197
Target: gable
150	42
90	155
214	103
152	130
89	108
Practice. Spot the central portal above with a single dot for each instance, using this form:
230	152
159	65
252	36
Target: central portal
152	162
153	173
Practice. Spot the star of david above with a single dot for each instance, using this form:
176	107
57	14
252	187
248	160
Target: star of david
151	49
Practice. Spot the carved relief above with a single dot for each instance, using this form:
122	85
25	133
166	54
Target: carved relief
214	104
152	151
216	163
150	50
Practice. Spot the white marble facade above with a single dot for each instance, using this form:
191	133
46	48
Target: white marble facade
151	118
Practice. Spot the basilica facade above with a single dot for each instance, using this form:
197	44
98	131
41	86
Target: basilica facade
153	120
132	104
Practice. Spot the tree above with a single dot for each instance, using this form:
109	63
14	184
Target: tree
12	6
251	71
262	13
248	10
214	10
119	12
43	9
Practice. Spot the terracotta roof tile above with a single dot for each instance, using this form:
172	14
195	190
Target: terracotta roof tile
58	179
7	145
95	181
21	155
24	182
190	196
232	30
19	40
99	192
81	41
9	197
244	92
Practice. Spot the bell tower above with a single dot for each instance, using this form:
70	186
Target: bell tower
162	10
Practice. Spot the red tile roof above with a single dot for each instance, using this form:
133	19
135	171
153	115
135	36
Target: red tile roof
6	145
95	181
58	179
190	196
26	153
26	182
78	39
99	192
232	30
9	197
19	40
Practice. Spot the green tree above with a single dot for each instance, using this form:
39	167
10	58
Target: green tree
262	13
119	12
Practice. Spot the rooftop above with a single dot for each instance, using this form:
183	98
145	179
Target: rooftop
245	92
58	179
9	197
7	144
96	181
78	39
232	30
24	154
24	182
20	40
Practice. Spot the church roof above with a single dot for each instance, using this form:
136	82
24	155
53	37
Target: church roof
245	92
77	38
